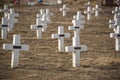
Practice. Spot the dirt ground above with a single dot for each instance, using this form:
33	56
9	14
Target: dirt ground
44	62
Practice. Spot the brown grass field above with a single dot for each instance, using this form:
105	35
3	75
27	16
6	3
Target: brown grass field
44	62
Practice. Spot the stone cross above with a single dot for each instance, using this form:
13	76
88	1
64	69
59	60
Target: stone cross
4	28
40	27
5	10
89	13
42	12
60	36
116	35
76	49
97	9
16	47
64	9
11	18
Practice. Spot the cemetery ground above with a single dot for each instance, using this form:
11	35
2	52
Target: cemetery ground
44	62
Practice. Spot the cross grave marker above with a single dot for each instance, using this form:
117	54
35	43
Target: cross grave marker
60	36
64	9
16	47
40	27
116	35
97	9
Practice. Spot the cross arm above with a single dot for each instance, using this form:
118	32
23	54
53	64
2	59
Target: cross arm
55	36
76	48
33	26
114	35
8	46
24	47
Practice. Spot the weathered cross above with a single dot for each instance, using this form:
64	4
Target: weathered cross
89	13
40	27
16	47
64	9
5	10
76	49
45	19
97	9
116	35
4	28
60	36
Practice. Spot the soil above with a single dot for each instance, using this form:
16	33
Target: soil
43	61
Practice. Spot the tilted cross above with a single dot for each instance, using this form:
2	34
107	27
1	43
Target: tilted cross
60	36
16	47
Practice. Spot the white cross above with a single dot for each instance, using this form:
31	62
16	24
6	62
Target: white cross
60	36
77	24
39	28
16	47
42	12
64	9
117	10
89	13
11	18
45	19
114	23
48	14
4	28
88	4
97	10
5	10
116	35
76	48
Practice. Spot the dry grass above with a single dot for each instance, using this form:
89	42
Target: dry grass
44	62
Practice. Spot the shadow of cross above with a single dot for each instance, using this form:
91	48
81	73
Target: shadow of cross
60	36
5	10
16	47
